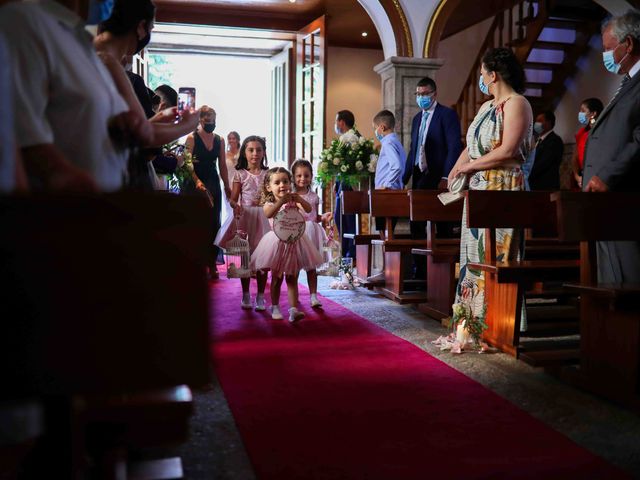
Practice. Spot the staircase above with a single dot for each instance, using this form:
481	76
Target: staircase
548	37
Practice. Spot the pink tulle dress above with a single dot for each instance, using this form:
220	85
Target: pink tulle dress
281	257
253	221
314	230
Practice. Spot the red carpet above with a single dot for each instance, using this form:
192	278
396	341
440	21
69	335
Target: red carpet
336	397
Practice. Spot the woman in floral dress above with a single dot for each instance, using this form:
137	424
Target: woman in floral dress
499	141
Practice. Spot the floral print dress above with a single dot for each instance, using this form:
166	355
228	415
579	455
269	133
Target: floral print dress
484	135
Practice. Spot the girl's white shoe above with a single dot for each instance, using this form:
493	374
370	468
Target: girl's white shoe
295	315
260	307
315	303
275	312
246	302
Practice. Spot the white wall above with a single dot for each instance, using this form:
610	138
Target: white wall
591	80
459	51
353	85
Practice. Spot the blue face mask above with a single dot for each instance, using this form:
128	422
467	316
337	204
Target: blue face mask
610	62
582	118
99	11
484	88
424	102
337	130
537	127
378	135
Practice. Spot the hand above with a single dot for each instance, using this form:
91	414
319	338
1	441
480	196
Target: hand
190	117
326	218
443	184
200	185
596	185
578	179
168	115
294	197
238	210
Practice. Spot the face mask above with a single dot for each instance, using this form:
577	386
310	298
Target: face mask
143	42
610	62
378	135
209	127
537	127
424	102
484	88
99	11
337	130
582	118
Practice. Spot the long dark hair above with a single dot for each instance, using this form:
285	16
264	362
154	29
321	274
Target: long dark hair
504	62
265	195
243	163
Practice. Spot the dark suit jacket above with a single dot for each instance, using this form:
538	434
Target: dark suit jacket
613	154
545	174
442	145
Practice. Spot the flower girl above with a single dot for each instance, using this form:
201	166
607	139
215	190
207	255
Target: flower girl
284	257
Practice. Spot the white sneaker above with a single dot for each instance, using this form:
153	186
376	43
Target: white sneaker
260	307
246	302
295	315
315	303
275	312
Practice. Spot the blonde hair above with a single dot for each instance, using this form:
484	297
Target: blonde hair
265	195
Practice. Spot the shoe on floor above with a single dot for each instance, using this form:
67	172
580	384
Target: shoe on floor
260	307
246	302
295	315
275	313
315	303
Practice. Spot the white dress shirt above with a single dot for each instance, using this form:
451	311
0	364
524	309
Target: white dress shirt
62	93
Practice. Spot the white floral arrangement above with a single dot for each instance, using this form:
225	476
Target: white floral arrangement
351	157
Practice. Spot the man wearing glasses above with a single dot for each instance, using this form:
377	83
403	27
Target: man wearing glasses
435	147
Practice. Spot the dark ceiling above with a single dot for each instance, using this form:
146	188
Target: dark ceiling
346	19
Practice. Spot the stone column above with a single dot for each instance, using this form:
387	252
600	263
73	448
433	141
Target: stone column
399	78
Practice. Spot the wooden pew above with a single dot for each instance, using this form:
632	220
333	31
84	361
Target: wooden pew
609	314
357	202
441	254
397	251
103	296
506	282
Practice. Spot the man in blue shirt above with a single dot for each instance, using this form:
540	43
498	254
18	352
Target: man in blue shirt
392	158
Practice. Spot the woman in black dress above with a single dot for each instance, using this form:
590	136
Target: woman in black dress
209	166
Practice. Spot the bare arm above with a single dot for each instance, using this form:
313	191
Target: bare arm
517	118
223	168
270	209
189	144
462	160
47	163
301	202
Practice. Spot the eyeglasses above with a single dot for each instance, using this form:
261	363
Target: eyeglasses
424	94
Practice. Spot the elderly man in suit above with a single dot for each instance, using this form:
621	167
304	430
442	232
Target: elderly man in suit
612	156
435	147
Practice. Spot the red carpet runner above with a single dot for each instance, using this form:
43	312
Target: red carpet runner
336	397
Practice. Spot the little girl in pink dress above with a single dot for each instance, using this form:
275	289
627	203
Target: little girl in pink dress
302	172
284	259
250	218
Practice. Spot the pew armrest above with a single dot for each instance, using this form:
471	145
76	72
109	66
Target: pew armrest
529	270
361	239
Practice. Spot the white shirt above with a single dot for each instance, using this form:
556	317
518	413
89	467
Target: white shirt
62	93
633	70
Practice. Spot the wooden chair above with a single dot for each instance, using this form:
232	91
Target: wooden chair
397	251
609	314
441	254
357	202
506	282
105	295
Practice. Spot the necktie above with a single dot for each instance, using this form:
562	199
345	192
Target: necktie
625	79
421	161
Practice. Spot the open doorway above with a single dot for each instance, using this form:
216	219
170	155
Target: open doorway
238	72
